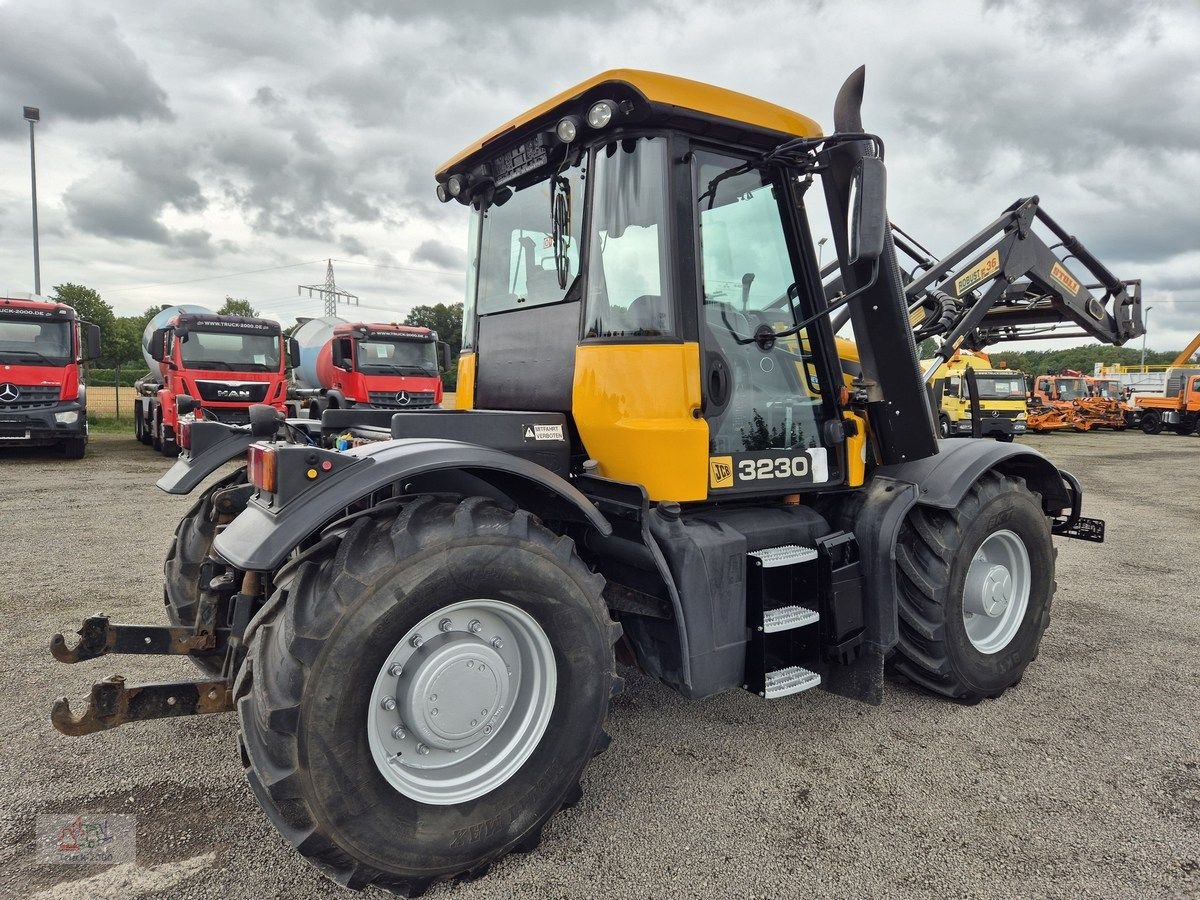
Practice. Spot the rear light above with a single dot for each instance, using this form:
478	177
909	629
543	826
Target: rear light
185	435
262	467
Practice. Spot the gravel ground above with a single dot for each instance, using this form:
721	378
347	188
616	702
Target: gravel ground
1085	779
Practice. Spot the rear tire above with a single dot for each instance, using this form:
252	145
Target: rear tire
156	432
307	691
945	568
190	547
1152	422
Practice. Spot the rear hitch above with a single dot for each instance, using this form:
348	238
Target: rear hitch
111	703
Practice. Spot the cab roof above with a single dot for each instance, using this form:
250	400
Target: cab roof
667	95
35	302
380	327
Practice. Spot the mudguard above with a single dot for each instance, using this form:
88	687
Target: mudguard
271	526
212	445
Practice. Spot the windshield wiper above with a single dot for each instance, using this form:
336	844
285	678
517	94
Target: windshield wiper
47	360
207	364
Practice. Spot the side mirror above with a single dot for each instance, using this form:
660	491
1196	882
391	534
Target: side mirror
264	421
444	355
868	210
341	352
91	341
186	403
158	344
294	353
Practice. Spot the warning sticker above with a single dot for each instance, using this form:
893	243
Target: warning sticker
978	273
720	471
1060	274
543	432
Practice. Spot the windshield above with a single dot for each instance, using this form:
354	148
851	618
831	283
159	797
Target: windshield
28	343
517	266
403	357
992	387
231	350
1072	388
1110	390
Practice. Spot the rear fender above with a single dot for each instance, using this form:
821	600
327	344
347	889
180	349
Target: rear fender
272	526
212	445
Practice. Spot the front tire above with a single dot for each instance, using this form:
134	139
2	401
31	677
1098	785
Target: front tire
1152	422
944	426
975	585
310	709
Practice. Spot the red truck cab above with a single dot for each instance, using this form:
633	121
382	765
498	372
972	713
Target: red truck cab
225	363
382	366
43	400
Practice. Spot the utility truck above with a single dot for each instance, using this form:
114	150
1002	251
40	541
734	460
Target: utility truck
999	398
223	364
43	398
654	446
346	365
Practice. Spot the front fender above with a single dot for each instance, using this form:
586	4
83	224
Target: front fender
270	527
212	445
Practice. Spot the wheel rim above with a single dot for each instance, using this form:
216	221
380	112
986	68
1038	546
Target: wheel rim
996	592
462	701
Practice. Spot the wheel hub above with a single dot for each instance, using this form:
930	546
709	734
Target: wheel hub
996	591
991	592
453	691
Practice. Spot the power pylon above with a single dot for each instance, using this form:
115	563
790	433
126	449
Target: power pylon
328	292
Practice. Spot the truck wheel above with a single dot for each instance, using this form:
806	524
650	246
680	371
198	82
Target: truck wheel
975	584
428	693
1152	422
190	547
75	448
139	432
944	426
156	432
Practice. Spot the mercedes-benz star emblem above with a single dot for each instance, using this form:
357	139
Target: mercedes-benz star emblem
9	393
995	412
402	398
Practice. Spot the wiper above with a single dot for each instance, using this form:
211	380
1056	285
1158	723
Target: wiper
40	356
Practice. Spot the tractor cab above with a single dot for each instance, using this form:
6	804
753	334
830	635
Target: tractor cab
641	262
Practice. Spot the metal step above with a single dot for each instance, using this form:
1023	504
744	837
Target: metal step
785	555
792	680
787	617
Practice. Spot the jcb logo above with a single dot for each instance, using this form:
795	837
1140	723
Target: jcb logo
720	471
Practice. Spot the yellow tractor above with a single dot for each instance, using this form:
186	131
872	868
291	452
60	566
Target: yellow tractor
655	451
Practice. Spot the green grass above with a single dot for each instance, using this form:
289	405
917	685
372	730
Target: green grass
110	425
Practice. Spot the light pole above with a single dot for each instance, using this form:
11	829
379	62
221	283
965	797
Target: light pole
1145	328
820	250
32	115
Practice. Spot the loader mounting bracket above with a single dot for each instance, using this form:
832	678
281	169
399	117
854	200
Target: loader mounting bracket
97	637
111	703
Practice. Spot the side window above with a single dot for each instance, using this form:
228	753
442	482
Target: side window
628	291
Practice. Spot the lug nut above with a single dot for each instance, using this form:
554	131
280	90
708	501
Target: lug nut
475	627
416	641
497	643
445	625
389	703
395	669
422	749
433	712
487	729
398	733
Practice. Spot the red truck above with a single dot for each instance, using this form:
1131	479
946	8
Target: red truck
340	365
225	363
43	400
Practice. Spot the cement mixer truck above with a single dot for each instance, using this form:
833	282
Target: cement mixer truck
225	363
341	365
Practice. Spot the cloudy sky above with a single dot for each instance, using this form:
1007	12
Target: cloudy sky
193	150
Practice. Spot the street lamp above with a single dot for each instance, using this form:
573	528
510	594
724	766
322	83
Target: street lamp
821	249
32	115
1145	328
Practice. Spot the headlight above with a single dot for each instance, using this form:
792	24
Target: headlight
601	113
456	184
566	129
66	418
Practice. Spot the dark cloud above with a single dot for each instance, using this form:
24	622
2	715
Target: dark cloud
74	65
353	245
441	255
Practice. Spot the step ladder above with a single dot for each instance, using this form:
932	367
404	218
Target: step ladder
783	653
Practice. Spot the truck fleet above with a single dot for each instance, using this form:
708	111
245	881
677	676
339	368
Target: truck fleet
43	398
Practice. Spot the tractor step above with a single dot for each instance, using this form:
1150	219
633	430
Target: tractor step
787	617
784	555
792	680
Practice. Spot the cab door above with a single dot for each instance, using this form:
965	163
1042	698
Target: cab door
763	397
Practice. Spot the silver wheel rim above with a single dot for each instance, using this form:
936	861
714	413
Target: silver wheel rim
996	592
462	701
